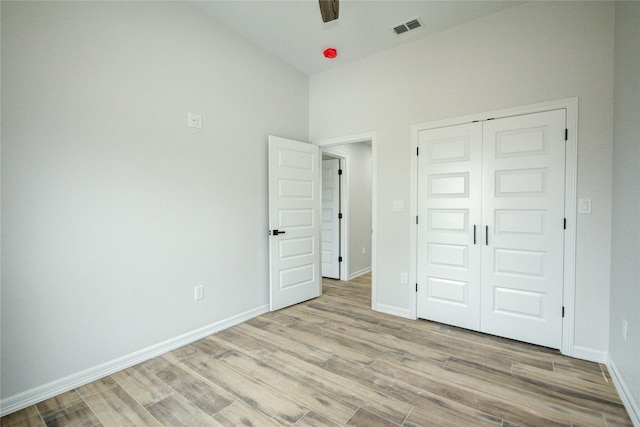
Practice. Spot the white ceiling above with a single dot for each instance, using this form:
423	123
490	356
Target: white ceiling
293	30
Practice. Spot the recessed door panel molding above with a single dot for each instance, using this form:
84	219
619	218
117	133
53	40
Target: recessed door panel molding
518	303
296	218
288	158
448	150
297	276
447	255
295	189
447	291
520	221
449	185
519	262
490	255
294	248
521	183
522	142
448	220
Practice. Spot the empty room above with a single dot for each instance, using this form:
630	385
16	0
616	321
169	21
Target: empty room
176	249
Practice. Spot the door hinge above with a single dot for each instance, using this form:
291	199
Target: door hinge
339	259
340	215
416	219
562	311
417	151
416	287
566	134
339	171
565	223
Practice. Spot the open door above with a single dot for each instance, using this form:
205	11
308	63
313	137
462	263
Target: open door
331	218
294	222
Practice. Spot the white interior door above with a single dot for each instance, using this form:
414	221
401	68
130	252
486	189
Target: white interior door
491	234
449	197
330	218
523	216
294	222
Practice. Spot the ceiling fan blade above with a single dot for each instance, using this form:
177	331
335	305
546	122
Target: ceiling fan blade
329	10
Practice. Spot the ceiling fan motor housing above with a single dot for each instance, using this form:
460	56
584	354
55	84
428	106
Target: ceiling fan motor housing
329	10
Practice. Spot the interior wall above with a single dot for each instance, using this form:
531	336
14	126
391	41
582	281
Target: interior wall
113	210
625	269
359	172
532	53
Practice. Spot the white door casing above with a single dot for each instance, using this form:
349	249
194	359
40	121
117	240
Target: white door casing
449	205
330	218
519	236
295	212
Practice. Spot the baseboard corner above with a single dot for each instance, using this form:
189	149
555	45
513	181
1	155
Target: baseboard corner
632	407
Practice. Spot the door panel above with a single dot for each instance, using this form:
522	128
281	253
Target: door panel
523	208
294	210
448	208
330	221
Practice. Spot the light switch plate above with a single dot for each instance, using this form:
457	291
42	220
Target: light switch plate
584	206
195	121
404	278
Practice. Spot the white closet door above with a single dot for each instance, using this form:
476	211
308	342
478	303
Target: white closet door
523	234
449	195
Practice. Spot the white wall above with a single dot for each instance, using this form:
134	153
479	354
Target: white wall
112	208
536	52
358	171
625	269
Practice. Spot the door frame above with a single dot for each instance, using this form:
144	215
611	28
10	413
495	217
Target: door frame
325	147
571	180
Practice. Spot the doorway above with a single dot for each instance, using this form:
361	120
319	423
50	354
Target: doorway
335	147
353	223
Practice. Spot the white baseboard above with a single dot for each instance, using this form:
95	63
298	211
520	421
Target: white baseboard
359	273
392	310
632	407
590	354
46	391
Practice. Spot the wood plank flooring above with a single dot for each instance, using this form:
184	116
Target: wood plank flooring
334	362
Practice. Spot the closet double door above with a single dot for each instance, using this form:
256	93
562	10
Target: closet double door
491	226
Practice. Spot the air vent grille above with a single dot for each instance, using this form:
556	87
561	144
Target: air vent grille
412	25
400	29
407	26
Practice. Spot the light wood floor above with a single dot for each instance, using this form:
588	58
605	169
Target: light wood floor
334	362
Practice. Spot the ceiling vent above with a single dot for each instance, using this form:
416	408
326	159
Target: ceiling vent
407	26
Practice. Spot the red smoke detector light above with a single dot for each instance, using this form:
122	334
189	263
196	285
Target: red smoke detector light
330	53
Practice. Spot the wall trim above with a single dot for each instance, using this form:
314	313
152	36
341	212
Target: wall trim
46	391
392	310
571	182
632	407
359	273
590	354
